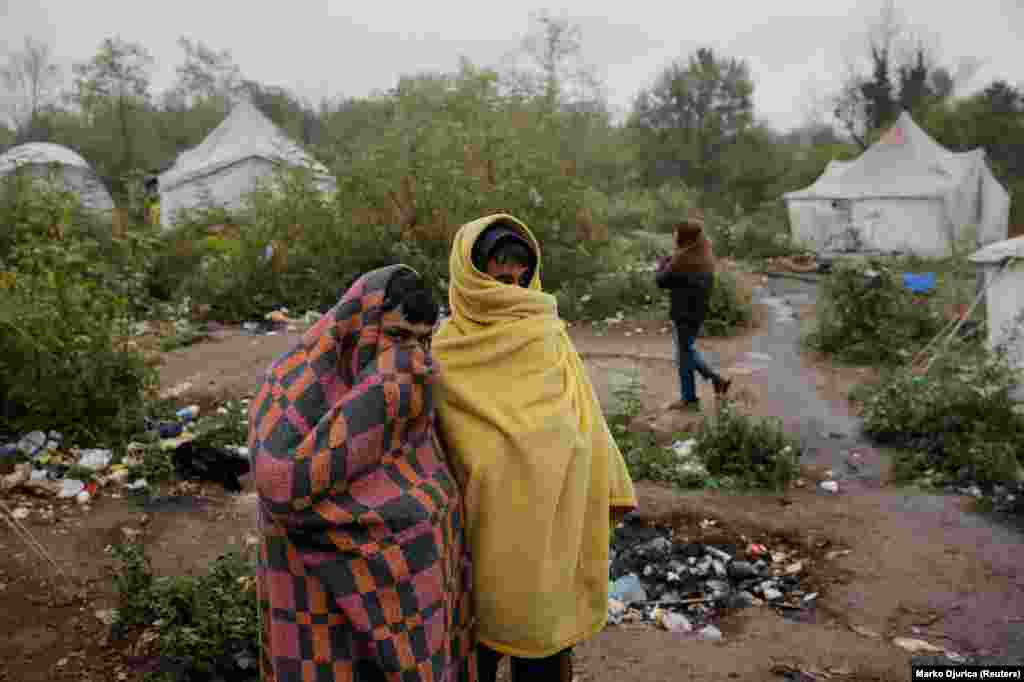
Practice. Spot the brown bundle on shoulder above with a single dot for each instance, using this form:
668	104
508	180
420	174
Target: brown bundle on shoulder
693	252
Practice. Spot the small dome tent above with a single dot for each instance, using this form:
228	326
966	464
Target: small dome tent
245	148
62	166
905	194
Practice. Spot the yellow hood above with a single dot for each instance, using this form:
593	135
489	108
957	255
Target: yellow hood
539	466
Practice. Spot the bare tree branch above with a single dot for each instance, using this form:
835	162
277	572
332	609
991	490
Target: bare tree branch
30	79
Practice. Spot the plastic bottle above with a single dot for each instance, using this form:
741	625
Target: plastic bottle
187	414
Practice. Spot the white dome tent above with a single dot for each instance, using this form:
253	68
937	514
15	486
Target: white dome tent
244	149
905	194
63	167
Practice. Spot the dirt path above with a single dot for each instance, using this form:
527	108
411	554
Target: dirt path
920	566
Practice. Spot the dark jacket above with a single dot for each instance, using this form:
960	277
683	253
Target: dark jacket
689	295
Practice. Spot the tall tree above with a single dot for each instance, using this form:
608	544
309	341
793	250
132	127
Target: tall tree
900	73
206	74
30	79
692	113
549	66
115	83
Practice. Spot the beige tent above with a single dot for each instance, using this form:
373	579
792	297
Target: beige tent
229	164
905	194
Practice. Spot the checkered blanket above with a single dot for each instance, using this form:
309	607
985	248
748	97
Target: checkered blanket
362	556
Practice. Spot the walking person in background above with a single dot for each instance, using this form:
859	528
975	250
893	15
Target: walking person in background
689	275
363	573
543	477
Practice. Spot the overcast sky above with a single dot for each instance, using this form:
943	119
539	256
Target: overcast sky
795	48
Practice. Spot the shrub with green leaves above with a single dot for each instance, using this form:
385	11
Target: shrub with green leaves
730	308
740	451
760	234
209	626
60	322
956	423
866	315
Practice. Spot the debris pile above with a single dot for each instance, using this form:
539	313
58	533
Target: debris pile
684	585
42	465
280	320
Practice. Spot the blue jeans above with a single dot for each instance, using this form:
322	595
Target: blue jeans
688	360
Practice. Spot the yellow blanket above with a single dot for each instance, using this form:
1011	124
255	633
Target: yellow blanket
539	466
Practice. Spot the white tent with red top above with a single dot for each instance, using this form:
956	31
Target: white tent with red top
906	194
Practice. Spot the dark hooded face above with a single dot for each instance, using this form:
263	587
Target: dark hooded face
510	273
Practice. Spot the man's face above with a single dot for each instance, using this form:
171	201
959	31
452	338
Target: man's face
403	332
506	273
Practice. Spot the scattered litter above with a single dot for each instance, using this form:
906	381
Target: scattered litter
917	646
187	414
710	632
70	487
32	443
836	553
865	632
671	621
628	589
830	486
21	513
83	497
755	550
616	611
170	429
919	283
94	459
140	484
684	448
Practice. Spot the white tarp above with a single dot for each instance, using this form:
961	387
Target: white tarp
903	169
1004	296
71	171
243	149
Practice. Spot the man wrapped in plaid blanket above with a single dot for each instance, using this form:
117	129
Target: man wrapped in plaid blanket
363	573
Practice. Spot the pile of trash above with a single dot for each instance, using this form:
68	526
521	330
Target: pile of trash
42	464
280	320
684	586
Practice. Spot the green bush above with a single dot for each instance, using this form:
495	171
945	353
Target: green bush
653	210
730	450
730	308
956	423
866	315
60	326
209	626
746	452
761	234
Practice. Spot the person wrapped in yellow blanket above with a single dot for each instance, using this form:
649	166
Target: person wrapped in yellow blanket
542	475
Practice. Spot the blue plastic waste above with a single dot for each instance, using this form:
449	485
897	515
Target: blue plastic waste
170	429
919	283
628	589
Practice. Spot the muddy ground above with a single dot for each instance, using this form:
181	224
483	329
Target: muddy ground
919	566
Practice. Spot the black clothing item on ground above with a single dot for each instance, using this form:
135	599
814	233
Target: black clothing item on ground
689	295
556	668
